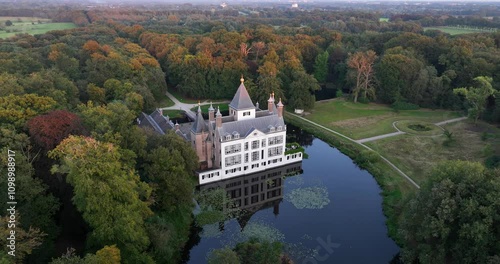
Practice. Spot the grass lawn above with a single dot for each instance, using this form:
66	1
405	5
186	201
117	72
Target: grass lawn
164	102
25	25
457	30
417	155
383	19
367	120
204	108
182	98
173	113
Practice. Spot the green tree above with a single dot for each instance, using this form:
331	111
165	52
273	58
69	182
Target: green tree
108	193
454	218
477	96
301	93
8	23
17	109
223	256
259	252
321	67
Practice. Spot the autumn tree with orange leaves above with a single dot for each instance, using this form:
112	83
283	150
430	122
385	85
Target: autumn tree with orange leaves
362	64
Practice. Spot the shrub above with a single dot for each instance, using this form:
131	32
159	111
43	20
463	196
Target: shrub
492	162
339	93
363	100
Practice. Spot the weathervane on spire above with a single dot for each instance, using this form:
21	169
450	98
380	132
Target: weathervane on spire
242	80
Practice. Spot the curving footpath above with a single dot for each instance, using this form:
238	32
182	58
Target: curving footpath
186	107
363	145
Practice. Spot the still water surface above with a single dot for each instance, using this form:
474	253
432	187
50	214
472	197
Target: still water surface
331	212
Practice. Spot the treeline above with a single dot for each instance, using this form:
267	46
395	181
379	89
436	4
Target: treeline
409	66
69	101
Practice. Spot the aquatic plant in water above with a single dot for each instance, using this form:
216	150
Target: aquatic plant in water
308	197
263	232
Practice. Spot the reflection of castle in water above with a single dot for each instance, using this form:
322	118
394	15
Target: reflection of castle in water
257	191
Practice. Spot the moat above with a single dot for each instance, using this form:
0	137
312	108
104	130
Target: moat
330	211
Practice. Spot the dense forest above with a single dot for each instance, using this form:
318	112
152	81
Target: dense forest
89	177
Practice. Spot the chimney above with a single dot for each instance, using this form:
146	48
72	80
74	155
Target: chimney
280	108
270	103
160	111
218	118
211	112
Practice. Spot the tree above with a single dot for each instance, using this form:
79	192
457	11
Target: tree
454	218
259	252
301	93
362	64
108	193
26	241
477	96
321	67
17	109
8	23
223	256
106	255
50	129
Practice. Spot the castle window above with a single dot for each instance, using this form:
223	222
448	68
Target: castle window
236	135
246	145
255	155
275	140
263	143
232	148
280	128
271	128
228	137
255	144
246	113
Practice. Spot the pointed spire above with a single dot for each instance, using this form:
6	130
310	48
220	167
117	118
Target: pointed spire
211	108
242	80
218	112
280	104
199	123
241	99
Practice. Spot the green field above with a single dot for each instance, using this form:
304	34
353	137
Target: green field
417	155
367	120
383	19
30	26
457	30
182	98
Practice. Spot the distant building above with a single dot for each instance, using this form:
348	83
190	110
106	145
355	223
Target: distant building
223	5
295	5
246	141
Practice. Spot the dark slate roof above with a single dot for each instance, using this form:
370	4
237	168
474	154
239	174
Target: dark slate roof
244	127
163	122
199	124
241	99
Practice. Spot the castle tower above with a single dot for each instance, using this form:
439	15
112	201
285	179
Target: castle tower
199	133
241	107
218	118
211	112
280	109
270	103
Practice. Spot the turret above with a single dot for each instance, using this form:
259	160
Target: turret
280	108
270	103
218	118
211	112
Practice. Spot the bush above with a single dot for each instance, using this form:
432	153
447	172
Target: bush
492	162
363	100
400	105
365	158
339	93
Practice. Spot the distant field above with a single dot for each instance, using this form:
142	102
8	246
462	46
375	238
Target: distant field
367	120
457	30
29	25
383	19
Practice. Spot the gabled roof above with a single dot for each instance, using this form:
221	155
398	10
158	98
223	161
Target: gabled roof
241	99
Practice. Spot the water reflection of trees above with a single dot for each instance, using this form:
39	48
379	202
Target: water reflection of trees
296	134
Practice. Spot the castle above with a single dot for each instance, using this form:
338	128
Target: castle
246	141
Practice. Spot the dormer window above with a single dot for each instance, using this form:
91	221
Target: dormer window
228	137
236	135
271	128
280	128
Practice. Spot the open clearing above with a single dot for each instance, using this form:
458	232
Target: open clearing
457	30
417	155
367	120
30	25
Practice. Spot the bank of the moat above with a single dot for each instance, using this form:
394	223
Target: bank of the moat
330	213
